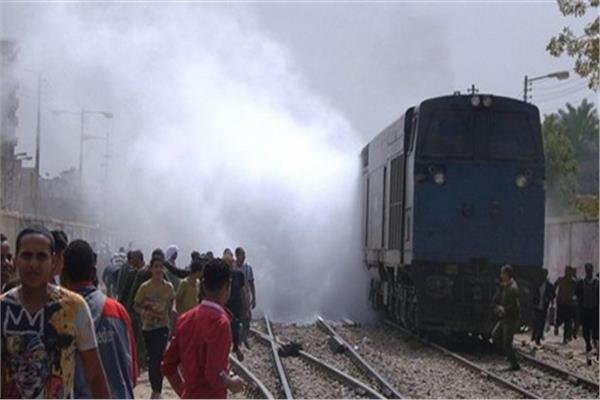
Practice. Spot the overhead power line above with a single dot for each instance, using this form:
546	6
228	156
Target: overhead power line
559	86
565	93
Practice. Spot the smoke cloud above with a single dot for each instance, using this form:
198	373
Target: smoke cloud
218	143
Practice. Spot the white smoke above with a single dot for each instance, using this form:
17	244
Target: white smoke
219	144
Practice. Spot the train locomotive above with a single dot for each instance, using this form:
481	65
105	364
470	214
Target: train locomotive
452	190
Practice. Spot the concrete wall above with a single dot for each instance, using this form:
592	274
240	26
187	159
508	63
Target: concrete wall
12	222
570	240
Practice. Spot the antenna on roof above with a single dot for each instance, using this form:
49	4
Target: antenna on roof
473	89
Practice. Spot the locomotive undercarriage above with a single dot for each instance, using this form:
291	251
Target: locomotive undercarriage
447	299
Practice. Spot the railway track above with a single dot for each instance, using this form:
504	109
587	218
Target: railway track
256	388
569	375
566	360
308	376
537	379
382	383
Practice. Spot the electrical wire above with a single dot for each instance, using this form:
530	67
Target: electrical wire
560	86
567	93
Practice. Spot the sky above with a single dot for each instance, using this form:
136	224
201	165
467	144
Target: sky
241	123
369	61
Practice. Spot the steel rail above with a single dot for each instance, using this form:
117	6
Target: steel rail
486	373
360	362
250	377
344	377
285	385
554	350
556	369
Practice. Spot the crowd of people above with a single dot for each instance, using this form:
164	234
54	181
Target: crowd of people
569	302
67	334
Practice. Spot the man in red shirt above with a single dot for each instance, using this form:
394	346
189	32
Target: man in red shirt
201	343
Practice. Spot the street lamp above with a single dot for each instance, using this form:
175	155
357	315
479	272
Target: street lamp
560	75
82	135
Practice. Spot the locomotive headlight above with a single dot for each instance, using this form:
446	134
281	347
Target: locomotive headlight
521	181
487	101
475	101
439	177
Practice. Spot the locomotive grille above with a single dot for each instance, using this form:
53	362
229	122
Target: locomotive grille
396	197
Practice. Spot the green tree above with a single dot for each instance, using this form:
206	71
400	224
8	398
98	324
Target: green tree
583	47
561	166
571	147
581	126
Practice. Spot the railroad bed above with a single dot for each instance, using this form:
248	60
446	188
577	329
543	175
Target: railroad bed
418	370
306	375
571	362
398	364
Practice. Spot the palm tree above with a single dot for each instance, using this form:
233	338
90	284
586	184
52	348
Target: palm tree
581	126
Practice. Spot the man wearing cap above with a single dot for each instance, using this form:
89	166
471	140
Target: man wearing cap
42	325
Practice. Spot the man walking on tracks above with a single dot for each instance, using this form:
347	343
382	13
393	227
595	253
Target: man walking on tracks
587	297
509	312
566	303
542	297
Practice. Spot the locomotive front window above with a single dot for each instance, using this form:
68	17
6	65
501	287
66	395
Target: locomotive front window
449	134
510	136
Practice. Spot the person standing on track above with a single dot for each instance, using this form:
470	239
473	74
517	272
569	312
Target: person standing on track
542	297
249	294
587	297
509	312
196	362
154	302
235	302
566	302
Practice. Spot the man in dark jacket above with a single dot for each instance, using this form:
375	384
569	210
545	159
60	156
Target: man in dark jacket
566	303
587	298
509	312
541	300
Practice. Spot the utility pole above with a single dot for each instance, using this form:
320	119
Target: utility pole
473	89
81	137
560	75
38	130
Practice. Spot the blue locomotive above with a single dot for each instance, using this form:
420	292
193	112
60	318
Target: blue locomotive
453	190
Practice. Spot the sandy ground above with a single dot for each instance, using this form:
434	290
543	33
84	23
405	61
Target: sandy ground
143	390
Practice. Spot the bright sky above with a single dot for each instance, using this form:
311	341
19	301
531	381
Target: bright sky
368	61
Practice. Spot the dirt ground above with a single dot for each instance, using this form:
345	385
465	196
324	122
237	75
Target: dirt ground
143	390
